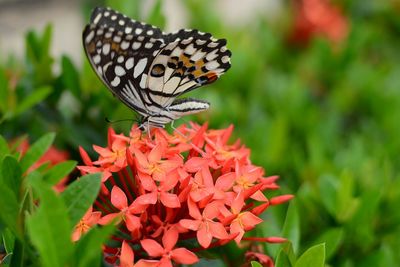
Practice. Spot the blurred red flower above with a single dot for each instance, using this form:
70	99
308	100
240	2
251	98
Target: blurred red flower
163	189
52	156
318	18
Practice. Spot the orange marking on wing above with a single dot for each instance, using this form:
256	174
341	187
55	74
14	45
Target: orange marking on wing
211	76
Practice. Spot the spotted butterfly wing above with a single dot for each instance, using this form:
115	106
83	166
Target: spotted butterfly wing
148	69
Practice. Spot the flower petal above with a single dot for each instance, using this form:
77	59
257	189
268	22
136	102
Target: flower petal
184	256
204	237
118	198
169	200
152	247
126	258
170	238
217	230
146	199
190	224
156	153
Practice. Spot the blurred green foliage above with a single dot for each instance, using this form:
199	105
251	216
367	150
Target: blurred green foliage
326	119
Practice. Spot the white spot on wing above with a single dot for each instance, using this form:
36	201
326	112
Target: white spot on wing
128	30
108	35
199	54
106	49
96	59
212	55
150	32
225	59
190	49
119	71
89	37
114	17
97	18
143	81
148	45
212	65
121	22
116	81
212	44
139	67
136	45
200	42
138	30
124	45
129	63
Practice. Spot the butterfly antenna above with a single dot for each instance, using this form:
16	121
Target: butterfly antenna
116	121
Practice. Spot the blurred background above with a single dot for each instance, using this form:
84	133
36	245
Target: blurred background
314	92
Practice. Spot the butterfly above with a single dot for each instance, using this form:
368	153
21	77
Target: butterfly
148	69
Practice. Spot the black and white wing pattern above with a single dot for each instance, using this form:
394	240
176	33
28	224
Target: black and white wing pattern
148	69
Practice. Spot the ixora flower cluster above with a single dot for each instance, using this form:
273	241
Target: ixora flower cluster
173	195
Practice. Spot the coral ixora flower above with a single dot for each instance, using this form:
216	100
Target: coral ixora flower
172	195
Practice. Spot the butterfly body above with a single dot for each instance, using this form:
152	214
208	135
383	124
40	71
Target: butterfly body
148	69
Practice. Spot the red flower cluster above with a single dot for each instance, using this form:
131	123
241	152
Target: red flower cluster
163	189
318	17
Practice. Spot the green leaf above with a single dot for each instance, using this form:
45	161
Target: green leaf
11	174
3	147
291	228
9	204
329	186
286	256
49	228
88	251
8	240
255	264
282	260
314	256
4	91
59	171
34	98
36	151
333	238
70	76
80	195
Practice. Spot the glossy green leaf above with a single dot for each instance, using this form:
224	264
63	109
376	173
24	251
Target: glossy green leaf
37	96
3	147
11	174
314	256
255	264
286	256
9	208
88	251
49	228
8	239
291	227
333	238
282	260
37	150
80	195
70	76
59	171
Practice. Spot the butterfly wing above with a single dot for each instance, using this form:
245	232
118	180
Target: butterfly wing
121	59
107	18
148	69
189	62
